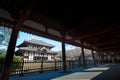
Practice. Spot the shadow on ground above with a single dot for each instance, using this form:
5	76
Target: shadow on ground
113	73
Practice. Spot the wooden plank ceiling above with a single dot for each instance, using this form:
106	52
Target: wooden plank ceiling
98	27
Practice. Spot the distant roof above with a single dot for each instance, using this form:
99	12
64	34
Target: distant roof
38	42
36	50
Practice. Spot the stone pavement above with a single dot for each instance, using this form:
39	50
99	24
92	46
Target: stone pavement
100	72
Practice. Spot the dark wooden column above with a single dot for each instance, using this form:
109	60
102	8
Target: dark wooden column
82	49
93	57
64	54
99	56
12	43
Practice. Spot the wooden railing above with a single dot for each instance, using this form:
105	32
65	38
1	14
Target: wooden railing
25	67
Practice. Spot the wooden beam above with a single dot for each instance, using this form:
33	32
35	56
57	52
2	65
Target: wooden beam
48	21
107	43
80	27
5	21
70	30
110	45
109	48
93	40
11	46
104	31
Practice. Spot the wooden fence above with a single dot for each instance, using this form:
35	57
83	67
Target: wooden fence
21	68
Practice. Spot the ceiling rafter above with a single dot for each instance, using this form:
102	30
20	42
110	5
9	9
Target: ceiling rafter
107	43
4	21
110	48
104	31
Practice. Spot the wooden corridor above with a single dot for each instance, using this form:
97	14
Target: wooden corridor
97	29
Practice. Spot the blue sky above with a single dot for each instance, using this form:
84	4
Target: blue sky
26	36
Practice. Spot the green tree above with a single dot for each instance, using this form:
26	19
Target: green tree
2	57
4	35
17	62
15	58
3	51
4	38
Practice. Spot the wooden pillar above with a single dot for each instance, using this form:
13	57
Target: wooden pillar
11	46
99	57
93	57
64	55
84	63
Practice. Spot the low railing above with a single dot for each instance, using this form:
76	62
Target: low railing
20	68
32	67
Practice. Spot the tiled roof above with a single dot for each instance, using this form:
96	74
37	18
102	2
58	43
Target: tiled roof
39	42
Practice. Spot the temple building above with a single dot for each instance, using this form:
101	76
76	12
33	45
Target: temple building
36	50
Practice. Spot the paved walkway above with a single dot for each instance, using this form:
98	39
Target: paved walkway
101	72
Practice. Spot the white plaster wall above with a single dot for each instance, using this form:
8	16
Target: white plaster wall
49	57
31	57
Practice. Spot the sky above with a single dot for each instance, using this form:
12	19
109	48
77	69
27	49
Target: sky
26	36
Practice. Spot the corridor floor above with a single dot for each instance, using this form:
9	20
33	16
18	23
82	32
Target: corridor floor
99	72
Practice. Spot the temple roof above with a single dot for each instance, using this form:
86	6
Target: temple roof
36	42
39	42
